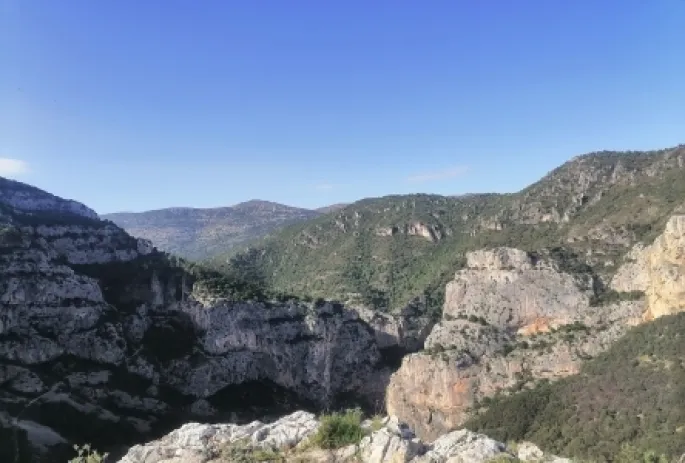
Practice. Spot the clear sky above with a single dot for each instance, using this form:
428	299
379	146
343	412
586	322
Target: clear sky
135	105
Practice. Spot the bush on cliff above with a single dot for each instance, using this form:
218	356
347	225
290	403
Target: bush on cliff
339	429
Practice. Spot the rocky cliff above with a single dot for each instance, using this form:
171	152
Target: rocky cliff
19	198
659	270
103	339
510	319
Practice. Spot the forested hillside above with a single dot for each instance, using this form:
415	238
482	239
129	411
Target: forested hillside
387	252
632	396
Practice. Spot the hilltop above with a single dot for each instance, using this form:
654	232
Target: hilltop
396	250
196	234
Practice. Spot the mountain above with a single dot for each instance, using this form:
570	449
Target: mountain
332	208
390	252
200	233
106	340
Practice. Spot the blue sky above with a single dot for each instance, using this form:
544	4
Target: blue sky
128	105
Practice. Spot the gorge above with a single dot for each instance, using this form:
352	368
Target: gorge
108	341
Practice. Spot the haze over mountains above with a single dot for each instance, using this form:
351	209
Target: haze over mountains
197	234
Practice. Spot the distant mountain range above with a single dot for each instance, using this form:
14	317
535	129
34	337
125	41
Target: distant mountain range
197	234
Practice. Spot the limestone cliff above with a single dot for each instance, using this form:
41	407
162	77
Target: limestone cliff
103	339
666	271
26	200
510	319
511	289
658	270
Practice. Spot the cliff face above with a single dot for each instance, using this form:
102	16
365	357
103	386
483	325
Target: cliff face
666	271
510	319
26	199
513	290
659	270
103	339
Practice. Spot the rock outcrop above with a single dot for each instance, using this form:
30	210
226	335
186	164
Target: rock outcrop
510	319
666	270
431	232
511	289
200	443
658	270
632	275
289	440
26	200
404	331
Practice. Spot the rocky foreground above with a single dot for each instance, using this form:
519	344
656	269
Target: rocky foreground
293	439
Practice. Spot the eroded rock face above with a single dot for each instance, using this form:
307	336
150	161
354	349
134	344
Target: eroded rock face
27	199
511	290
632	275
405	331
431	232
666	270
96	244
436	391
658	270
509	320
103	339
318	353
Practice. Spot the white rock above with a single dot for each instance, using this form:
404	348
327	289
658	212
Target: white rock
194	442
30	199
386	446
462	446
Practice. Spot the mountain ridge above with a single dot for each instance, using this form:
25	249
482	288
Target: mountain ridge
195	233
98	319
386	252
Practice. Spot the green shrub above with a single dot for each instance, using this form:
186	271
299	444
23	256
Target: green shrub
87	455
631	454
339	429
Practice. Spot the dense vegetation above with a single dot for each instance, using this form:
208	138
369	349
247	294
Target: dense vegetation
628	401
585	215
